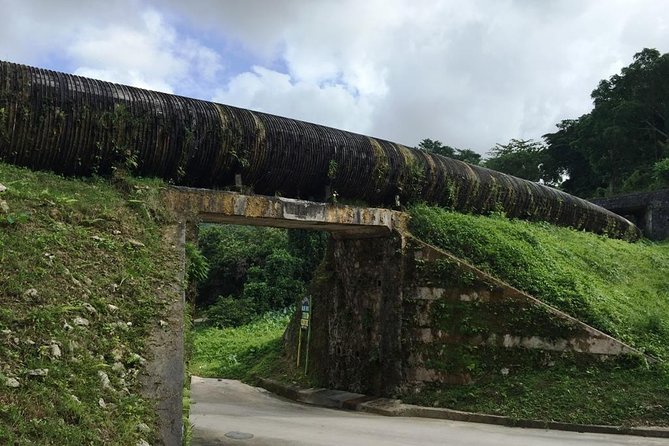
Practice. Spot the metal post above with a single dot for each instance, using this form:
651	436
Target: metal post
299	345
306	359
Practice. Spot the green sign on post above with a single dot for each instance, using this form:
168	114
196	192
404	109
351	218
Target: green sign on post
304	325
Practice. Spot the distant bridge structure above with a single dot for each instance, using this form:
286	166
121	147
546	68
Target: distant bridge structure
79	126
647	210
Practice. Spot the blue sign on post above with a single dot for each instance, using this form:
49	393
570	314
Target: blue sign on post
304	321
304	325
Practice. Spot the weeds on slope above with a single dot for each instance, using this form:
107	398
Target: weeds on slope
80	263
246	352
618	287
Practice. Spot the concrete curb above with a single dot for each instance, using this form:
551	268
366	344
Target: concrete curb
395	408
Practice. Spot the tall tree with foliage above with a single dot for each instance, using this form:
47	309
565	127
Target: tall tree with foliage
624	136
436	146
524	158
253	270
564	156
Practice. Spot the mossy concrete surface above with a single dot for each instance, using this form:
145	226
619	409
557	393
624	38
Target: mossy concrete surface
163	377
394	313
215	206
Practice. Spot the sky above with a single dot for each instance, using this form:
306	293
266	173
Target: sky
470	73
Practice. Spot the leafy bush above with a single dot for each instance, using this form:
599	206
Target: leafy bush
197	267
309	247
264	269
661	172
231	312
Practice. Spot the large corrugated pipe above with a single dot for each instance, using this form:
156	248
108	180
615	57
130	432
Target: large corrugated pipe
78	126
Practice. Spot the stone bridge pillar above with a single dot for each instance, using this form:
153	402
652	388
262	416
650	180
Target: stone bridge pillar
357	315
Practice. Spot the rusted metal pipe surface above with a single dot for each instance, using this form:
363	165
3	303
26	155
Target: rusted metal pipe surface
79	126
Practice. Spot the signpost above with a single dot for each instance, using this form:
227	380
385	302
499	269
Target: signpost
305	324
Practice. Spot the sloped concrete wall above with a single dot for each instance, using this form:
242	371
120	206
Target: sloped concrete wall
460	323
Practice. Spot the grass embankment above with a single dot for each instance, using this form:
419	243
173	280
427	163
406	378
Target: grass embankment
80	263
618	287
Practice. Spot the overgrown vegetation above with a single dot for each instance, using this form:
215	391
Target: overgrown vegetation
568	391
254	270
615	286
80	263
246	352
618	287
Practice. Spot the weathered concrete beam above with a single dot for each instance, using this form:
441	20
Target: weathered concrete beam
214	206
648	210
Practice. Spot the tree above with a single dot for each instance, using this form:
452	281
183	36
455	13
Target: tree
309	246
624	135
565	157
436	146
468	156
523	158
253	270
661	172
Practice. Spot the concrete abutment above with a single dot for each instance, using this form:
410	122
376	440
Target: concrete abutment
393	313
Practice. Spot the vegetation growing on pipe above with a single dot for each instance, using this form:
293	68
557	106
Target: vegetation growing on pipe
79	126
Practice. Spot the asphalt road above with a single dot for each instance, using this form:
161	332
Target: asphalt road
227	412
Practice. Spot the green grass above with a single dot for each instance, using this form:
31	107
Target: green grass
566	393
245	352
77	249
618	287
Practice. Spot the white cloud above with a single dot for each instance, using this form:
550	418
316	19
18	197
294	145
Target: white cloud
273	92
468	73
34	31
151	55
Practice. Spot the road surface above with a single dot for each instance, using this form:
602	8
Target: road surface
227	412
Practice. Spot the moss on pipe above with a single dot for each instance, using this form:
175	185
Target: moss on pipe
78	126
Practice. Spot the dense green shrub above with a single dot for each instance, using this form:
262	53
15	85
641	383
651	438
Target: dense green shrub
231	312
197	267
661	173
254	270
